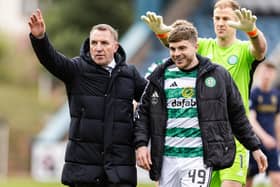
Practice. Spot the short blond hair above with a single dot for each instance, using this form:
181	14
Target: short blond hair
227	3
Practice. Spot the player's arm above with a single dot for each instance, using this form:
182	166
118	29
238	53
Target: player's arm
259	46
277	128
155	23
247	23
267	140
240	124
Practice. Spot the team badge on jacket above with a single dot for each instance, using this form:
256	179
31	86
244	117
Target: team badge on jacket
210	82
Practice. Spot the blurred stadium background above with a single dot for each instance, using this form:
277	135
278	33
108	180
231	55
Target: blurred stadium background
33	114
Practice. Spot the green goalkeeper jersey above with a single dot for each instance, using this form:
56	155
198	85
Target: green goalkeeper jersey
237	59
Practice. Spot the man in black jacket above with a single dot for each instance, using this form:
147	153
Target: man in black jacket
191	110
100	88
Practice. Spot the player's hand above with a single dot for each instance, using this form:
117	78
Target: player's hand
155	23
37	25
246	20
261	160
143	157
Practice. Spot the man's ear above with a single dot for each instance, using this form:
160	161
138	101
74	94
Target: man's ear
116	47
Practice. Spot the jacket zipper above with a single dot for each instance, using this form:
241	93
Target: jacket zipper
204	145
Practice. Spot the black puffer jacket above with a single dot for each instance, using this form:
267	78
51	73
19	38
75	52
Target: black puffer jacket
101	109
220	112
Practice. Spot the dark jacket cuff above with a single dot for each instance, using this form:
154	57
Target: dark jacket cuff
140	144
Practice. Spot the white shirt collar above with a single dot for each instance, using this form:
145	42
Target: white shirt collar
112	64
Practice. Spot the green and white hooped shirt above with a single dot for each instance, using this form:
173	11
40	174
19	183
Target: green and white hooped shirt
183	136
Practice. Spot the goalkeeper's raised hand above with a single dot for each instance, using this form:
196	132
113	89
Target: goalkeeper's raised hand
246	20
155	23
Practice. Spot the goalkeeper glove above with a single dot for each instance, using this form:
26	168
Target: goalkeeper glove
155	23
246	22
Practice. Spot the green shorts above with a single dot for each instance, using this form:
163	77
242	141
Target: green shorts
237	172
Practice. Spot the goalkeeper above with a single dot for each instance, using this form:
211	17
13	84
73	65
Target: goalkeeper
240	58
